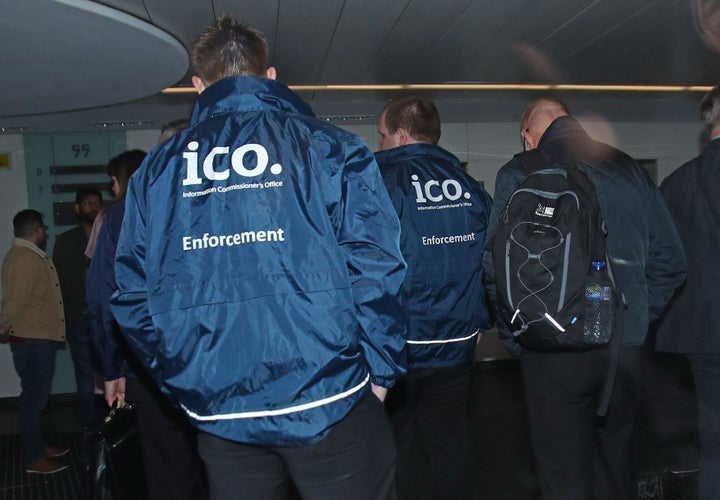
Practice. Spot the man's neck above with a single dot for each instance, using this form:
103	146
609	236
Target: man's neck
87	226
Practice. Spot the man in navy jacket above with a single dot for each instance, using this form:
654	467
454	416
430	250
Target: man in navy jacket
258	269
443	214
577	458
691	324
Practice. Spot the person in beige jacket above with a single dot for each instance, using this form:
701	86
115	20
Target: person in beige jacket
32	316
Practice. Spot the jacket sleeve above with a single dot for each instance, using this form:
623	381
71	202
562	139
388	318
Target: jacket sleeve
21	276
666	265
368	232
129	303
99	288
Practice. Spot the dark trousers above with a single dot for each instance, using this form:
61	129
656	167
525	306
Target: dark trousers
706	373
79	338
355	461
577	456
34	362
431	406
172	464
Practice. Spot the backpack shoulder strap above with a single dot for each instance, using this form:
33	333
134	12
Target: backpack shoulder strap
532	160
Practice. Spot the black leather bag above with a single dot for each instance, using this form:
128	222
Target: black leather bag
117	466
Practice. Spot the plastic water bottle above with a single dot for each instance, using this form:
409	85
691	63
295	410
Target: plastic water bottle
599	314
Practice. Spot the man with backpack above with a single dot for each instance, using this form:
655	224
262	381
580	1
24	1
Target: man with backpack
637	249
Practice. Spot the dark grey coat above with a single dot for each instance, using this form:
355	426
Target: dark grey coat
692	321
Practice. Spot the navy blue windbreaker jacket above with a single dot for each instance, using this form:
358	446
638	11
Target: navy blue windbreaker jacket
443	215
258	268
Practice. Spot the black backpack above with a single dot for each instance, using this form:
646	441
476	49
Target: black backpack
548	236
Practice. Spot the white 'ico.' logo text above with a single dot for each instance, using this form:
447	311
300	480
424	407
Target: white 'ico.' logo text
214	169
437	191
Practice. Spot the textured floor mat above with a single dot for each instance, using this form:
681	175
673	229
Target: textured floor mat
16	484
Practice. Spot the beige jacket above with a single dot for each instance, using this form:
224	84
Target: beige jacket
32	301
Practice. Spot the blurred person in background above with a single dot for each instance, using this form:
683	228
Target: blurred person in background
691	325
168	442
72	265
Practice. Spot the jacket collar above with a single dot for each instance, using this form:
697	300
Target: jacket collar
714	143
563	128
566	140
22	242
245	93
411	151
711	150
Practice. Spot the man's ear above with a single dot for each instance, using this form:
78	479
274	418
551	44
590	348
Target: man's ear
404	136
198	84
76	208
271	73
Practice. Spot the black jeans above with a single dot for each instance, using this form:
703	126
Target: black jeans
355	461
579	457
171	462
79	338
431	405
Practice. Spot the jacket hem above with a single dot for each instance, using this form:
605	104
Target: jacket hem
446	341
281	411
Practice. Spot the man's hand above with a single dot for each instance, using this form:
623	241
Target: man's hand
115	392
380	392
5	329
